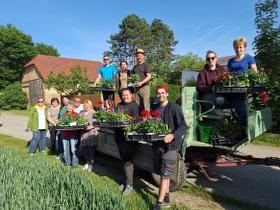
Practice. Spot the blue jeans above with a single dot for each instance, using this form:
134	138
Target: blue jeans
70	150
39	137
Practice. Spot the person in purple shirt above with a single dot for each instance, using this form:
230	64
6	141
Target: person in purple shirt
206	80
242	61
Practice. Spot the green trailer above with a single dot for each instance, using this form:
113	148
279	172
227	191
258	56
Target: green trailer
196	153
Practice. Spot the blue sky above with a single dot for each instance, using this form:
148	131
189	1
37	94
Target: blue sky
79	29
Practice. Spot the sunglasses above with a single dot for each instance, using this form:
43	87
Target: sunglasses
40	101
211	58
106	59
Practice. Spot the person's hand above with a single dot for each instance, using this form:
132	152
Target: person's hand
27	130
138	84
168	138
89	127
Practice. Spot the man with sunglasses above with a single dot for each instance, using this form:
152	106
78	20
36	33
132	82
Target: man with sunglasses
207	78
106	72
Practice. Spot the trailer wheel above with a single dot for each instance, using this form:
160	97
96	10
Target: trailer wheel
175	185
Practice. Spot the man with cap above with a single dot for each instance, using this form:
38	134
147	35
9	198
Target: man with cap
165	152
144	72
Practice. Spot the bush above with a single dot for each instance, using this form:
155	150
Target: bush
36	183
12	97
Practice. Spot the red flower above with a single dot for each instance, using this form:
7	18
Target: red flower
144	113
224	76
264	97
155	114
99	102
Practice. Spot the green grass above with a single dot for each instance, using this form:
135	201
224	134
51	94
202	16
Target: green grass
18	112
141	199
268	139
218	198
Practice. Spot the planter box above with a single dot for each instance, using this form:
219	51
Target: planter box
112	124
145	137
103	89
70	128
237	89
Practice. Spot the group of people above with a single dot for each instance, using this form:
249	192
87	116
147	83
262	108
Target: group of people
208	76
63	143
164	152
142	69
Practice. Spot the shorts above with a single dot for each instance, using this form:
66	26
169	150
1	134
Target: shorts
164	161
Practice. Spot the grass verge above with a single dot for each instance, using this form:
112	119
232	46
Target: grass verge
218	198
268	139
18	112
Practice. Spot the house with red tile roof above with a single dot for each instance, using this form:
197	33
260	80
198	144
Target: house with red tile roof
36	72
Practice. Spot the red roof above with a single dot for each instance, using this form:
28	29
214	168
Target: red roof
46	64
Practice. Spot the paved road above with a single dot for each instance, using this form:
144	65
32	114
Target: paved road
257	184
14	125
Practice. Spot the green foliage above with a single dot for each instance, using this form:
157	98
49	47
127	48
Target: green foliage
134	78
29	183
190	82
16	49
74	84
12	97
104	116
189	61
69	118
43	49
106	84
134	32
267	41
147	126
157	40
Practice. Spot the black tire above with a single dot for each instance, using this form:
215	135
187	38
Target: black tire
175	185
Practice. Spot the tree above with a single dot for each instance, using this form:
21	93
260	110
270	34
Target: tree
12	97
16	49
267	41
74	84
163	45
189	61
156	39
134	33
41	48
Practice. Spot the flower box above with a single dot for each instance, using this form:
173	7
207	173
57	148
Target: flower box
103	89
112	124
147	137
70	128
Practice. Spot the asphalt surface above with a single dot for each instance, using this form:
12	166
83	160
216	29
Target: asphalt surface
253	183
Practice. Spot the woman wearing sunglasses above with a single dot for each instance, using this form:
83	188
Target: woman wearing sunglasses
207	78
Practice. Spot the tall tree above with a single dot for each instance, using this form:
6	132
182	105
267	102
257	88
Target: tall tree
267	41
188	61
163	45
134	33
44	49
16	49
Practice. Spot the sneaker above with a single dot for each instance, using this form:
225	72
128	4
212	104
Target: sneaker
121	187
128	189
160	205
90	167
166	201
86	166
31	154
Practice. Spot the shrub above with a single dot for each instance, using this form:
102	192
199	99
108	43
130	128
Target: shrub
12	97
36	183
174	92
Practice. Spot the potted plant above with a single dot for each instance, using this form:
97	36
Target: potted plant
103	118
149	128
70	122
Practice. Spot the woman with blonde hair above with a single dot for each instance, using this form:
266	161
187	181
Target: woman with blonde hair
88	137
242	61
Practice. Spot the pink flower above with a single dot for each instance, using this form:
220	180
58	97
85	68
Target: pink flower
264	97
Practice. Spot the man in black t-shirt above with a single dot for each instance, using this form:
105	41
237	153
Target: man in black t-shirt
126	148
144	72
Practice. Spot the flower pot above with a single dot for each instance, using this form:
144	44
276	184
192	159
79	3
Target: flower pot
205	133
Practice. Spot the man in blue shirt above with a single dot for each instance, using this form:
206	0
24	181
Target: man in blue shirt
106	72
